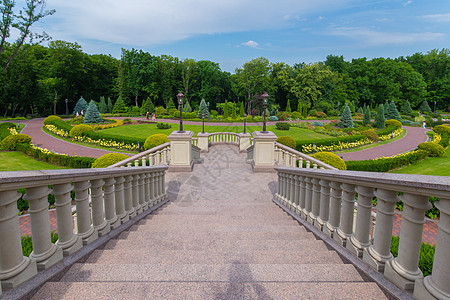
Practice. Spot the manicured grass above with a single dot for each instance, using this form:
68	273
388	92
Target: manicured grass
17	161
145	130
439	166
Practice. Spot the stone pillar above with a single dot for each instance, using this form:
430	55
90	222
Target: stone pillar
147	197
159	185
67	240
283	193
324	204
203	141
315	205
98	214
277	194
244	141
135	192
181	159
120	200
335	209
110	205
128	196
14	267
308	198
302	196
360	239
345	230
403	270
141	187
264	151
436	286
380	252
85	230
296	201
288	190
163	185
152	189
44	252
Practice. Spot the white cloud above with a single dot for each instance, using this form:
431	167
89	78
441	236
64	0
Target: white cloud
407	3
438	17
373	38
147	23
251	44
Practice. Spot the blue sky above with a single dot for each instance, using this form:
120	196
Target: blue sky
233	32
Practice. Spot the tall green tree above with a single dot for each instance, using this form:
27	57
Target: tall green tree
102	107
346	120
391	112
379	118
92	114
288	107
225	110
424	107
406	108
203	109
110	105
366	117
81	106
241	110
119	106
234	114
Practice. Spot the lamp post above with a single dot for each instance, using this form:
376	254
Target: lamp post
67	107
180	97
434	106
338	109
265	97
203	123
208	110
245	119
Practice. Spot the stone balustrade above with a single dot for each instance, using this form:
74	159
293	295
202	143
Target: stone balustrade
288	157
223	138
105	198
326	198
152	157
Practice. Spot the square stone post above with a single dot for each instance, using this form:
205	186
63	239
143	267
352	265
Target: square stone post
203	141
244	141
181	151
264	151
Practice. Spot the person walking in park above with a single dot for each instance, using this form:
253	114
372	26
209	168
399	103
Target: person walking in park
146	115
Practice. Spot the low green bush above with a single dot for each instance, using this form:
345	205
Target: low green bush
163	125
394	123
60	124
27	242
441	129
432	149
331	159
386	164
9	143
4	129
370	134
287	141
444	140
273	118
98	135
282	115
108	160
317	123
426	257
282	126
155	140
127	121
295	115
50	119
330	142
80	130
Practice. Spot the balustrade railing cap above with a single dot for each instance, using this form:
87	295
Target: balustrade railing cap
139	155
176	135
203	134
269	135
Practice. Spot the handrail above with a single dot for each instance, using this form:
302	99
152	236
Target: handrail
223	137
142	156
288	157
325	198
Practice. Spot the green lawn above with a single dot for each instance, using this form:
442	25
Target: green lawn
145	130
439	166
17	161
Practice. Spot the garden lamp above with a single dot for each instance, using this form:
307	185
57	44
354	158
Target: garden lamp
245	119
203	123
265	97
180	97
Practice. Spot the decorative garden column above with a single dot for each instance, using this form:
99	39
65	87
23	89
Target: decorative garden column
14	267
380	252
135	192
44	252
244	141
120	200
98	214
110	203
345	230
335	209
203	141
67	240
128	196
85	230
181	159
315	207
263	151
360	238
324	204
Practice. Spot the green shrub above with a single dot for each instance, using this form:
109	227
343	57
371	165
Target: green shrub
27	243
296	115
320	114
127	121
49	120
92	115
393	123
163	125
330	142
282	116
444	140
282	126
331	159
287	141
159	111
273	118
9	143
432	149
441	129
4	129
370	134
155	140
108	160
97	135
80	130
386	164
317	123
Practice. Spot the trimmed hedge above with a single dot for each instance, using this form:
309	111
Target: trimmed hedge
9	143
155	140
163	125
4	129
386	164
432	149
60	124
108	159
331	141
80	130
50	119
393	123
442	129
331	159
282	126
287	141
370	134
97	135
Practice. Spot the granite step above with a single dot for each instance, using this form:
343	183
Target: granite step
214	221
213	256
210	290
213	228
268	219
241	272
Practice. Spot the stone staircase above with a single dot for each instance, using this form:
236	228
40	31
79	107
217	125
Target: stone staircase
219	237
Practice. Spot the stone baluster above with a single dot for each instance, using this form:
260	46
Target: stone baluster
144	161
293	161
324	204
120	200
296	201
277	194
300	162
150	160
110	203
44	252
156	187
308	197
67	240
147	196
152	189
135	194
14	267
308	164
360	238
314	166
128	196
380	252
436	286
162	193
315	205
136	162
141	184
85	230
345	230
98	214
164	156
288	190
163	184
302	195
284	188
335	209
129	164
292	192
403	270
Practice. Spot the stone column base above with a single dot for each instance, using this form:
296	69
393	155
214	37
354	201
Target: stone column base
72	246
422	293
175	168
26	270
400	281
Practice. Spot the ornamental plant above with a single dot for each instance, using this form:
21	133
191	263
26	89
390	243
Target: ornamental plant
155	140
108	160
170	104
203	109
287	141
119	106
225	110
288	107
147	106
331	159
241	110
366	117
424	107
92	114
406	109
379	118
346	120
393	123
233	113
110	105
187	107
102	107
80	106
282	126
49	120
80	130
391	112
432	149
9	143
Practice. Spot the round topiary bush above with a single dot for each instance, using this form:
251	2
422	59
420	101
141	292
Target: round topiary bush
49	120
287	141
370	134
273	118
296	115
9	143
393	123
432	149
442	129
282	126
108	159
80	130
155	140
316	123
331	159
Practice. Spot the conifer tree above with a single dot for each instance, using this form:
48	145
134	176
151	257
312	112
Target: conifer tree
102	108
386	108
288	107
187	107
406	109
391	112
366	118
92	115
360	110
225	110
241	110
424	107
170	105
233	114
379	118
299	108
346	120
80	106
203	109
110	105
119	106
147	106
